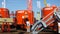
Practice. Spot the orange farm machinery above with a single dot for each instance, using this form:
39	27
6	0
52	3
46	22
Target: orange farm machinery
22	16
24	19
5	19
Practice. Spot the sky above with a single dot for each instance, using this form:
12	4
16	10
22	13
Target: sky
14	5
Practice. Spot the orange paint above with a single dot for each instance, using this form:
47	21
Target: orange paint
46	11
4	13
22	14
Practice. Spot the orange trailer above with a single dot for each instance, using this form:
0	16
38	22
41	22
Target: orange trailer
24	15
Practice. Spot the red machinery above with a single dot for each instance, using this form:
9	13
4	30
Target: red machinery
29	4
48	10
24	15
47	20
4	13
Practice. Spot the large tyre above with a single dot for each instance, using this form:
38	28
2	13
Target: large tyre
18	27
12	26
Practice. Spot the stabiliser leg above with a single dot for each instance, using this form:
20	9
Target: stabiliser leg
2	28
5	27
8	29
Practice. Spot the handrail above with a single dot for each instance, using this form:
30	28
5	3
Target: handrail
42	21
